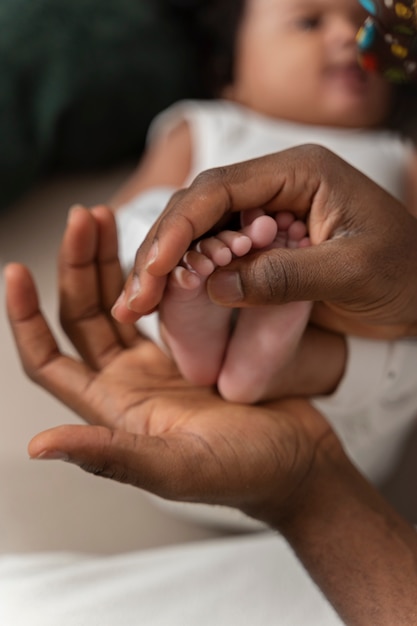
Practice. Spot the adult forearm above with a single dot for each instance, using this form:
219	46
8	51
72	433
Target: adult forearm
358	550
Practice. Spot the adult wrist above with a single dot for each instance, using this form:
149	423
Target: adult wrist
310	483
360	552
315	494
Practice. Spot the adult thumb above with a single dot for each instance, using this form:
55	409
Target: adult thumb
143	461
325	272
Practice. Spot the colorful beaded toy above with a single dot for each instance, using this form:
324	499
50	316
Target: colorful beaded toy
388	39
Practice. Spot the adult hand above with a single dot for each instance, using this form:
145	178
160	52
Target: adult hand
360	269
280	462
148	426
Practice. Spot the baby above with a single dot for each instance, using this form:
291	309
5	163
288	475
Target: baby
285	72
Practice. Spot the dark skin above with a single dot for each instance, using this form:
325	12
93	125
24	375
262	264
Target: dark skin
357	230
125	384
330	515
279	462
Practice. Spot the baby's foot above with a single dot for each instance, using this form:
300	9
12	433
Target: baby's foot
263	343
266	338
195	329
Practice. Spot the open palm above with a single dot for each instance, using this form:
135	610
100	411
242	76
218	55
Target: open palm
148	426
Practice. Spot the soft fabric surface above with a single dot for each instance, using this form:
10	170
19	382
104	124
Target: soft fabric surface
246	581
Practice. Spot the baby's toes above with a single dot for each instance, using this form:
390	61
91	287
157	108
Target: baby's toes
284	219
296	233
199	263
262	231
216	250
237	242
182	280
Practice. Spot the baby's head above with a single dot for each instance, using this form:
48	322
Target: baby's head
292	59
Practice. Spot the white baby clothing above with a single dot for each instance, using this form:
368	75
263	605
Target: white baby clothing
376	402
224	133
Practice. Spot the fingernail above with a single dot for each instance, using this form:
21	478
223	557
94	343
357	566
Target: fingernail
152	254
51	455
225	287
118	302
133	290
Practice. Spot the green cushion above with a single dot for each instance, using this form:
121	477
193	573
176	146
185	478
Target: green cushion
80	80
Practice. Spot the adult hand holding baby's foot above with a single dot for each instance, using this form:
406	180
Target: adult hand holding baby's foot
246	353
357	231
196	330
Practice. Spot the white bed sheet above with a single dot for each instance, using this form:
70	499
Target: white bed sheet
243	581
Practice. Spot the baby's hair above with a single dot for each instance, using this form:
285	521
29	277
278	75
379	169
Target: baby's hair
404	112
213	25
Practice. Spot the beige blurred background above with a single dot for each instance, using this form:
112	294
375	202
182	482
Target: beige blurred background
51	505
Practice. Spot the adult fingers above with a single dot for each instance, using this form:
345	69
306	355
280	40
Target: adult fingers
361	287
203	463
39	353
289	180
160	465
328	272
89	279
110	274
363	254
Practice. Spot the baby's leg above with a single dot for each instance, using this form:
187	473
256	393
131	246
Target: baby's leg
195	329
265	339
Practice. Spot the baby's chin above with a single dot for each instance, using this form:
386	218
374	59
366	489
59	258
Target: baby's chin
355	109
347	115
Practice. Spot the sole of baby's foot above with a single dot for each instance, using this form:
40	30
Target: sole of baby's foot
195	329
265	339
